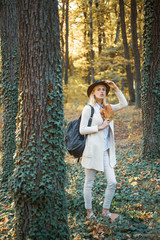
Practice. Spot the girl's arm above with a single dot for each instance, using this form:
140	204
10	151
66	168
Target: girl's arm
122	100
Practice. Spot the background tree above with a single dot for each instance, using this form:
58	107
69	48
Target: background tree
86	41
99	25
38	179
87	9
91	41
62	42
107	44
126	51
136	53
67	49
118	29
151	79
10	75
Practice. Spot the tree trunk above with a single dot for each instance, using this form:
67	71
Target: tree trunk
117	30
10	71
136	53
151	79
126	51
99	24
140	30
88	39
39	176
67	34
91	42
85	38
84	9
104	38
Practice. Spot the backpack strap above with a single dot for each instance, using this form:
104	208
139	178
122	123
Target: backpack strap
90	119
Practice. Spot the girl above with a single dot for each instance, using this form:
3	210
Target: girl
99	152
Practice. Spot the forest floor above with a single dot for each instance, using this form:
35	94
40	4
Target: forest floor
137	195
136	198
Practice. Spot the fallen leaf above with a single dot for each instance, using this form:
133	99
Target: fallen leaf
6	220
137	235
134	183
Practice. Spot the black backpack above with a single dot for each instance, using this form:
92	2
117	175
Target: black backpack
75	142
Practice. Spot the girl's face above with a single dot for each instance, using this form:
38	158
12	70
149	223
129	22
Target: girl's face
99	92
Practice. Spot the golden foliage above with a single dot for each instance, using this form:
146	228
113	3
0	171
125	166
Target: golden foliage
75	93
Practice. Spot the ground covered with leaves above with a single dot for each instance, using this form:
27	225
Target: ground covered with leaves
137	195
136	199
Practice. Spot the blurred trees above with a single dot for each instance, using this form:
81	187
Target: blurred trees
126	52
91	41
151	79
9	81
96	44
61	27
67	50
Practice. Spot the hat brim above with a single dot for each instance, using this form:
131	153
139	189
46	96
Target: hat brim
92	86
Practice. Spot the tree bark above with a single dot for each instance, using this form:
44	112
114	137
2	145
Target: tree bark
67	50
39	176
151	79
10	72
136	53
126	51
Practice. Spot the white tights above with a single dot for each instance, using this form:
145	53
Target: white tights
111	184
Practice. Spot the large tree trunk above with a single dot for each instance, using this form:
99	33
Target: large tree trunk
151	79
126	51
67	51
10	70
136	53
38	180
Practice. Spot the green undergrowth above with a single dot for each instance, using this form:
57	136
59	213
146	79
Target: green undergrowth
6	214
136	200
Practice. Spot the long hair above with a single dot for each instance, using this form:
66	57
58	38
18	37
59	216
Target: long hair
92	99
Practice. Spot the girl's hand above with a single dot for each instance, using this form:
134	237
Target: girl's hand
104	124
111	84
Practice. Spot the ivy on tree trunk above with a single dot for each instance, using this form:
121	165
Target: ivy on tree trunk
151	79
39	177
10	76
